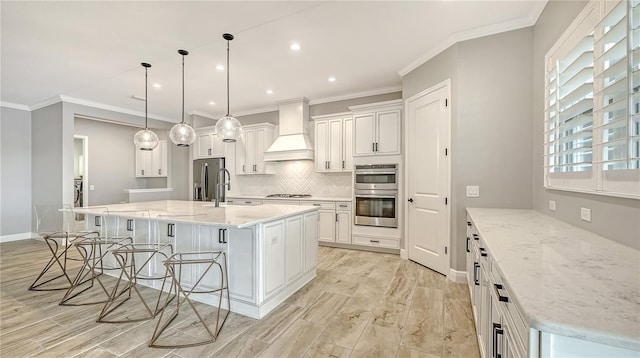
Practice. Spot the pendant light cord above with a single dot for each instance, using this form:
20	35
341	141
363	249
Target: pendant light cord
228	78
145	97
182	88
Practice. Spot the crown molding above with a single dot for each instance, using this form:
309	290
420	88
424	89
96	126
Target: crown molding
21	107
523	22
107	107
374	92
45	103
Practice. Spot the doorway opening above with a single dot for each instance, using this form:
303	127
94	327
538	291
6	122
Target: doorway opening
80	176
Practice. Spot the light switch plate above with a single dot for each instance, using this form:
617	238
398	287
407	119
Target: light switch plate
473	191
552	205
585	214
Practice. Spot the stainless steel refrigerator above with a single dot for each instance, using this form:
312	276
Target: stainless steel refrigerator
204	178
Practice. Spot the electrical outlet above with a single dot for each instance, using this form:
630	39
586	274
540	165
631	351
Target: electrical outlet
473	191
552	205
274	240
585	214
91	187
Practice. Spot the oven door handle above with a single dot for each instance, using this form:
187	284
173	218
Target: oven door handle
376	196
371	172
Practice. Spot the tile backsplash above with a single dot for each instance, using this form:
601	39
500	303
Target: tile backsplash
295	177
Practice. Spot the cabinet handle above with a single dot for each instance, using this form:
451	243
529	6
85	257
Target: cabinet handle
497	330
376	146
209	151
129	224
170	229
247	202
496	288
476	266
343	206
222	236
243	168
343	164
316	204
475	237
483	252
468	244
336	217
255	167
97	221
142	171
468	223
375	241
159	171
373	147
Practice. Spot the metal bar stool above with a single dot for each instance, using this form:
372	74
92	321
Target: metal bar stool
136	260
96	252
195	273
59	243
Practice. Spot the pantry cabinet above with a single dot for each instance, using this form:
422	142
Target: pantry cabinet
250	148
333	143
377	128
152	163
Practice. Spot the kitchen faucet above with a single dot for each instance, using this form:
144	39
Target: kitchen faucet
221	185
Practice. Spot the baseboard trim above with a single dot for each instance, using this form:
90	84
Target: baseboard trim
17	237
457	276
403	254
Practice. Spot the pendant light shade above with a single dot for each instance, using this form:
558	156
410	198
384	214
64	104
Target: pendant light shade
146	139
228	128
182	134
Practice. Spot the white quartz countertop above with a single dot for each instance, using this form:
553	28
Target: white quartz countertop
198	212
313	198
568	281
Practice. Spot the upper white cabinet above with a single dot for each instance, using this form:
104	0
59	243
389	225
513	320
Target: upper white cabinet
250	148
207	144
333	143
152	163
377	128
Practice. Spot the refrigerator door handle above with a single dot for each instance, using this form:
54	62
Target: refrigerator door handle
204	181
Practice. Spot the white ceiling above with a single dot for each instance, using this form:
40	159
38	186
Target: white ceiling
91	51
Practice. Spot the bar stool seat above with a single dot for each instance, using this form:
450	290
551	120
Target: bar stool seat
195	273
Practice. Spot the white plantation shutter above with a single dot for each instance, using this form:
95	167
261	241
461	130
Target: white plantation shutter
592	102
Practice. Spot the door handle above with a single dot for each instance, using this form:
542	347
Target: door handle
410	200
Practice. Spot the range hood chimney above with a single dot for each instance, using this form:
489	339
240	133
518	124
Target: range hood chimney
293	140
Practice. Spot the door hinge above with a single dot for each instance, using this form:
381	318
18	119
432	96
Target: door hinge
446	201
446	250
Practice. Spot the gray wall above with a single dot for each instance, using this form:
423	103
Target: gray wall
615	218
15	172
490	129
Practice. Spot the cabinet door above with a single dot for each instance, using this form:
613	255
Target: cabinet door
363	138
159	160
143	162
203	146
273	257
343	227
250	151
311	241
335	145
322	145
327	225
217	146
388	132
241	164
294	248
347	144
259	151
242	259
208	240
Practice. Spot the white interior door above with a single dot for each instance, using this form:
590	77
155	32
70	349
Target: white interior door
428	139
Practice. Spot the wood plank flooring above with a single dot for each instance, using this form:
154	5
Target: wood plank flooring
361	304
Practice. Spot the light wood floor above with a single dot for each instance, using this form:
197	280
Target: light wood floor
361	304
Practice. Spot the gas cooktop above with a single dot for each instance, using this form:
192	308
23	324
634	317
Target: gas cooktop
288	196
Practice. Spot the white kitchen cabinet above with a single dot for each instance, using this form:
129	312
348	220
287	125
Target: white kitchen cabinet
343	222
294	247
326	219
377	128
274	251
208	145
333	150
152	163
250	148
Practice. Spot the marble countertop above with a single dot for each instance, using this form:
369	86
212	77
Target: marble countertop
313	198
198	212
568	281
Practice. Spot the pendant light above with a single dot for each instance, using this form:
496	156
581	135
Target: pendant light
182	134
228	127
146	139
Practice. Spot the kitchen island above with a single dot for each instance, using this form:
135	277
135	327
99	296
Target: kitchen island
272	250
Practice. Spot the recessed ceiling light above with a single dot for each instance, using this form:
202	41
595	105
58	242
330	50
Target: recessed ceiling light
269	91
157	85
220	68
332	79
295	46
212	103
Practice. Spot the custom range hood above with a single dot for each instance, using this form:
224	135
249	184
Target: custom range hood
293	141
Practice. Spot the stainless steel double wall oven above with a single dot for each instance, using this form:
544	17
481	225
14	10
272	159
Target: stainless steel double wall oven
376	194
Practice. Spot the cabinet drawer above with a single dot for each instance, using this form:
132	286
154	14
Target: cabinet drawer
377	242
325	205
511	312
244	202
343	205
281	202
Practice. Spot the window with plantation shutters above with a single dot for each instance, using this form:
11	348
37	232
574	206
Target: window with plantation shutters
592	102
